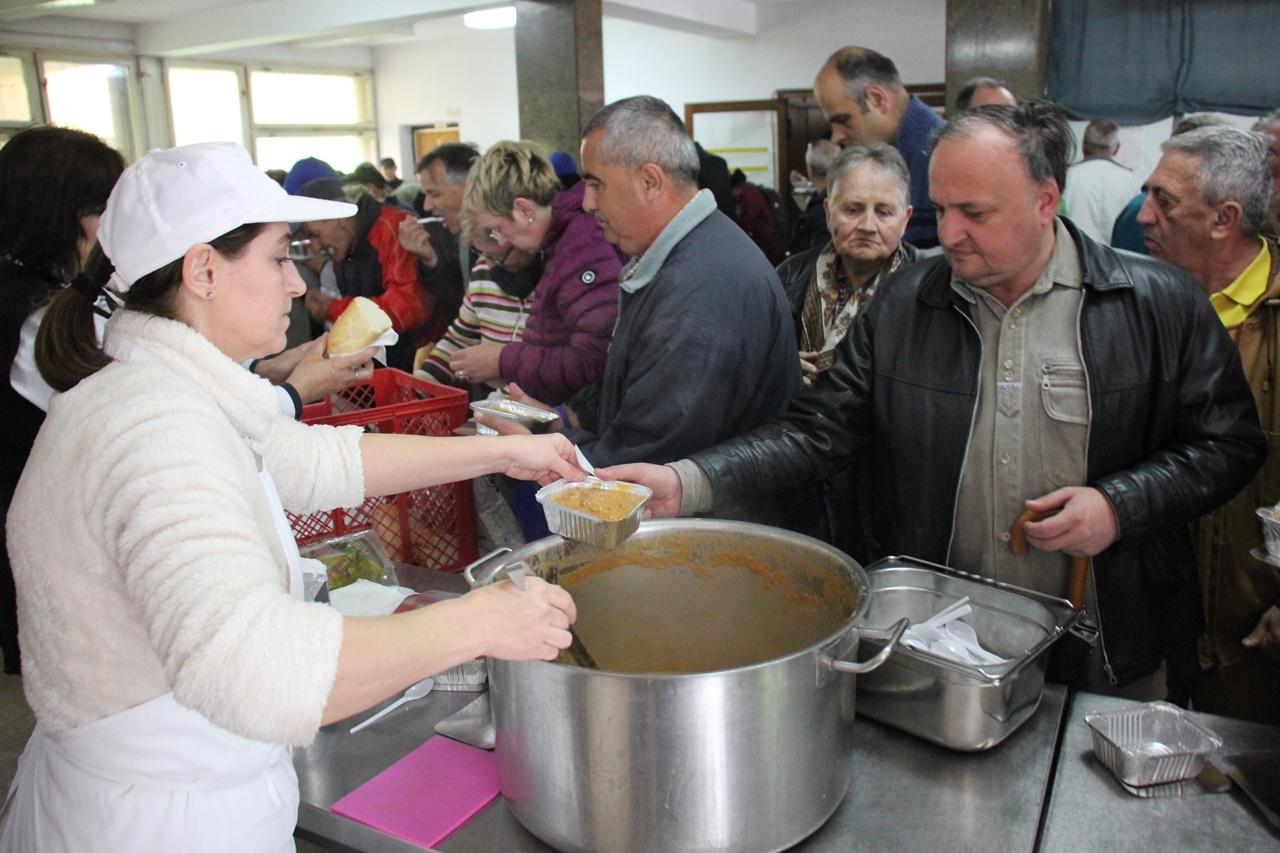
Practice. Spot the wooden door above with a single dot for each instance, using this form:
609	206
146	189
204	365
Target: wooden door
427	138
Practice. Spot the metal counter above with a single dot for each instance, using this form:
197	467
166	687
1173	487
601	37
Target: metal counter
1088	810
904	793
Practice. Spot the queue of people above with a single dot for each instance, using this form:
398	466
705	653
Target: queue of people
887	401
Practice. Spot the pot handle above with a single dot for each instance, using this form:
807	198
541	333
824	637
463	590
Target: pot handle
890	635
471	570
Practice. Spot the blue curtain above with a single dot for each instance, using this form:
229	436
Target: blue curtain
1137	61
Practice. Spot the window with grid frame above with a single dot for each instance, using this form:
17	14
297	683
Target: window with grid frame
280	114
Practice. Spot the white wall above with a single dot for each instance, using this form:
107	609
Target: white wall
794	40
470	77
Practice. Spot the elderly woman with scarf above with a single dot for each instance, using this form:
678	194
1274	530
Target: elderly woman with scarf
868	207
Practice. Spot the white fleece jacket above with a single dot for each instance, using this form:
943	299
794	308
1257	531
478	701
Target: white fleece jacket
145	556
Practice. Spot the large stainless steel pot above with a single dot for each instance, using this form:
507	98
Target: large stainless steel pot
746	747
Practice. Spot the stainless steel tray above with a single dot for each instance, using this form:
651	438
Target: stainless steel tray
956	705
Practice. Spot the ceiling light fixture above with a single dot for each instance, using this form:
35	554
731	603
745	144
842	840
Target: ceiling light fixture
502	18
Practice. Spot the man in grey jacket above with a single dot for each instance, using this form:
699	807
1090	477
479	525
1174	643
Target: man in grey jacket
704	347
1028	368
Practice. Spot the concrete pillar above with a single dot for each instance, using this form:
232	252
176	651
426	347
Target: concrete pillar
1006	39
559	70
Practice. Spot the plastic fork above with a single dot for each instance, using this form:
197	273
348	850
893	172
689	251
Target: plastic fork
416	691
950	612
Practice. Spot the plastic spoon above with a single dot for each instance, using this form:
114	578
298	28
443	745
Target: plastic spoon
964	632
417	691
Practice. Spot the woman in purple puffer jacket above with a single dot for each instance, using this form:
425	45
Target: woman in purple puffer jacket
513	193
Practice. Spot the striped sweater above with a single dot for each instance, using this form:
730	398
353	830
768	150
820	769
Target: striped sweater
488	315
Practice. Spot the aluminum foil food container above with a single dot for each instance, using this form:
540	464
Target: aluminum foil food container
584	527
1150	744
529	416
467	677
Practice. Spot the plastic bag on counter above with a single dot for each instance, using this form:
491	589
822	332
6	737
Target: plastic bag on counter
353	557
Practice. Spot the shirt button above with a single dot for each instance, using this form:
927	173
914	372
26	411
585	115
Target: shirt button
1008	362
1005	536
1008	374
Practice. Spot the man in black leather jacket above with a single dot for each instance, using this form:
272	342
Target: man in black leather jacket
1171	426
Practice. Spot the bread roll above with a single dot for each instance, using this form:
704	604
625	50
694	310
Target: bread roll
358	326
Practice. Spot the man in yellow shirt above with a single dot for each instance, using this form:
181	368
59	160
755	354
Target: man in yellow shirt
1205	211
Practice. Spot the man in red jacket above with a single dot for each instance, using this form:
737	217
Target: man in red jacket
368	260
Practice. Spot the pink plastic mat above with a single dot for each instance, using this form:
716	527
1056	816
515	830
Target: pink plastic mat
427	794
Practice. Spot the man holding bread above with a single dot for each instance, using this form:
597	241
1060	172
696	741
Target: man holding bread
369	261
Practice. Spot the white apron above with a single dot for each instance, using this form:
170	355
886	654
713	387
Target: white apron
158	776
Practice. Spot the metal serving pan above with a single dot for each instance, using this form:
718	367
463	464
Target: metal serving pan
959	706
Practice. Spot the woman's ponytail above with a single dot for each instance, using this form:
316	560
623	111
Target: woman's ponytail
67	348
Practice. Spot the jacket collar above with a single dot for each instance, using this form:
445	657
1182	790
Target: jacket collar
1100	270
641	269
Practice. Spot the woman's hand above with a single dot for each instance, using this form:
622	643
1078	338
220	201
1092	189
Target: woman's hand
316	377
545	458
515	624
479	363
809	366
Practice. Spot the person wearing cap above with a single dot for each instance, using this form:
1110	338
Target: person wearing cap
169	657
305	171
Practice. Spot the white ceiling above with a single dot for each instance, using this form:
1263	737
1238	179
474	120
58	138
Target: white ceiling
193	27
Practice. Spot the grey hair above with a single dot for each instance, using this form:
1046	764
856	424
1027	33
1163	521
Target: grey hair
819	156
1269	123
886	157
644	129
1043	137
1233	167
1100	137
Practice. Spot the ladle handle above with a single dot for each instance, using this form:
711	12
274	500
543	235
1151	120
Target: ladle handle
890	635
470	571
1079	573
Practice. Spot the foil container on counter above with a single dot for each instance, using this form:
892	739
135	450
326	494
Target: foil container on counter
1150	744
467	677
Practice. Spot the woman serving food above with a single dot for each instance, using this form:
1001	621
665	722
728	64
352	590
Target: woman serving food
168	655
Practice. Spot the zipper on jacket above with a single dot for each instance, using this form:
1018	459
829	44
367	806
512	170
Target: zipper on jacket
973	419
1088	435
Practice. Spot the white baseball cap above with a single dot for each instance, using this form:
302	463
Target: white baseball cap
173	199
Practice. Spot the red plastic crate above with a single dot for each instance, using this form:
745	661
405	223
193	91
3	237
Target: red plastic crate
432	527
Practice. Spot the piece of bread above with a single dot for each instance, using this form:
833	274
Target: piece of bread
358	326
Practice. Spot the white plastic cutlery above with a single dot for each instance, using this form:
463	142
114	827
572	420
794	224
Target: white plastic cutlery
417	691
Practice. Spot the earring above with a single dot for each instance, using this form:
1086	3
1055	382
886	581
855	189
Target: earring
530	220
208	294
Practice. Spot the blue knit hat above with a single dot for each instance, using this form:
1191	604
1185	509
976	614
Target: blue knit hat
562	163
304	172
